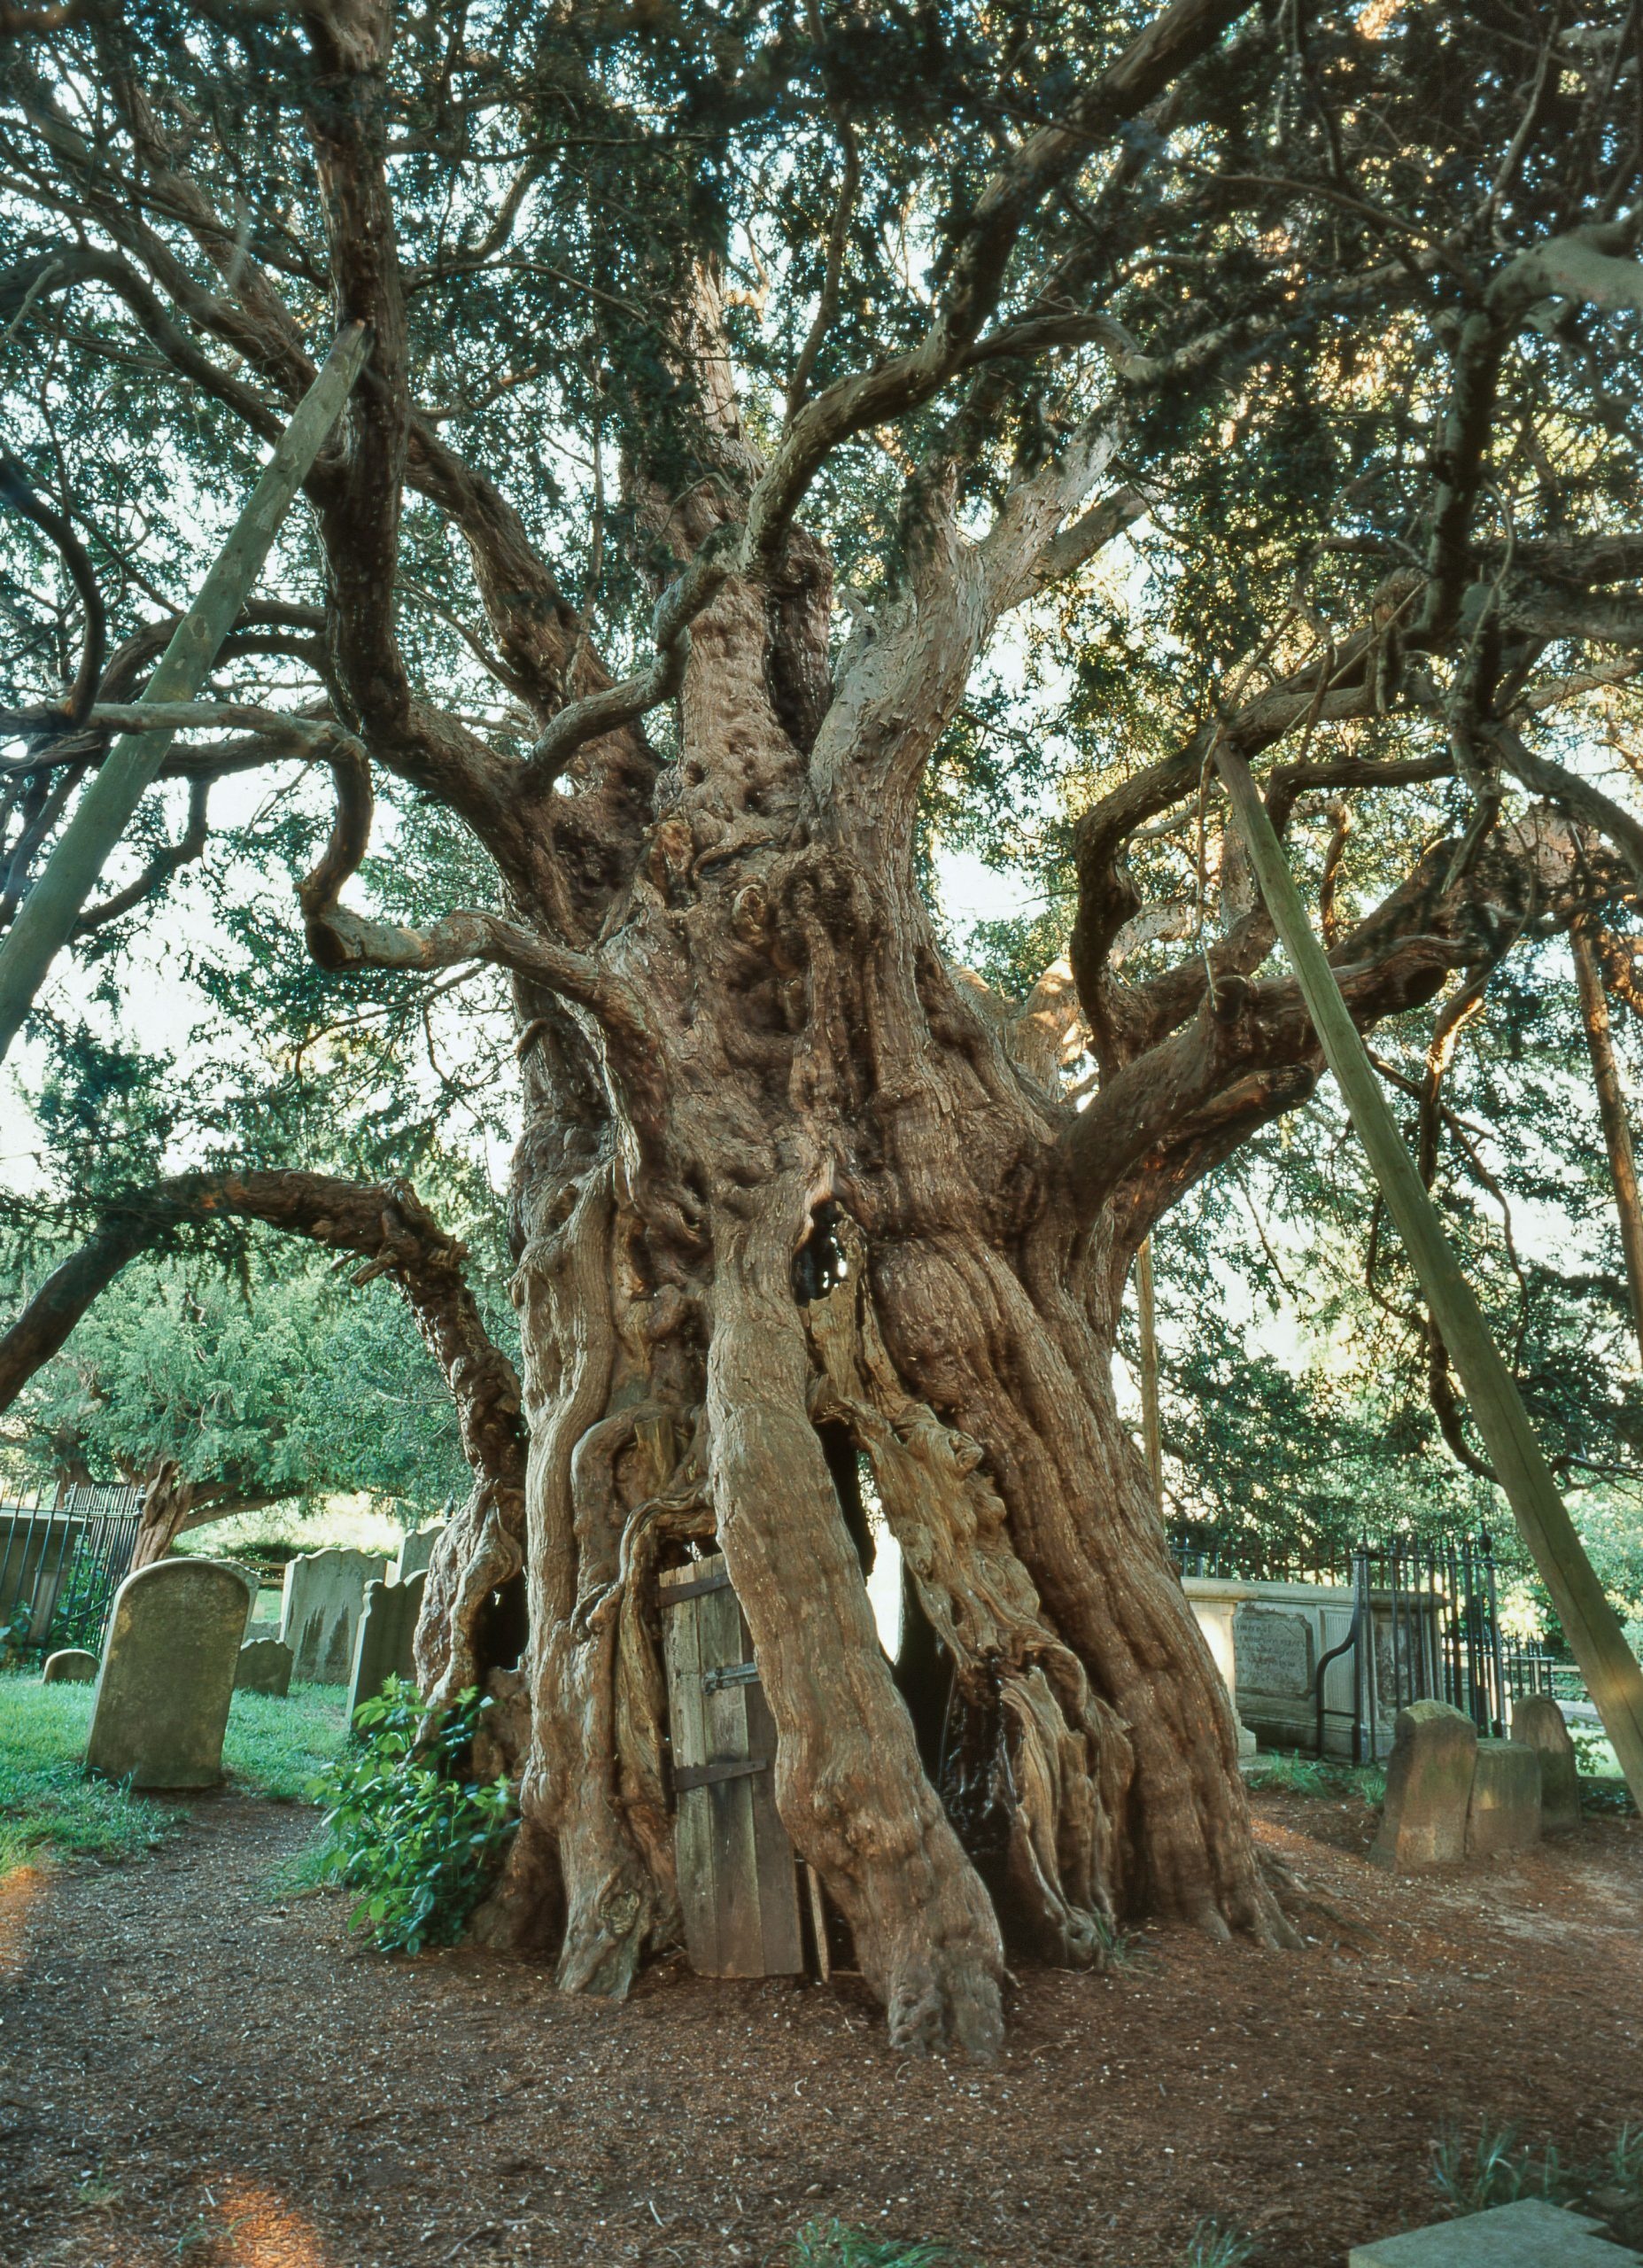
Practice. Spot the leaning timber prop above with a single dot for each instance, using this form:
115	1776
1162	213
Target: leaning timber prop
46	919
1608	1664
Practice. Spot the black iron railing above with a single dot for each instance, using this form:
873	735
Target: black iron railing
61	1565
1425	1626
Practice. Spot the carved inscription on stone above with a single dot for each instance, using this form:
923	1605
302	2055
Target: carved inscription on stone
1273	1650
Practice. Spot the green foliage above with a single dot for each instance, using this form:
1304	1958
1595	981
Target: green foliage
1214	2245
277	1383
553	182
1472	2174
834	2244
405	1827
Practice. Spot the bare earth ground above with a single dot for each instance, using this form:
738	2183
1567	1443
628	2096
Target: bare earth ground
192	2071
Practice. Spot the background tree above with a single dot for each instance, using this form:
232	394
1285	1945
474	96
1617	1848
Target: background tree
747	383
230	1396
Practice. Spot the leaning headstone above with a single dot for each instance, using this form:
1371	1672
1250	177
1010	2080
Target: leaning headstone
1505	1810
416	1552
162	1699
1537	1723
252	1581
1530	2234
324	1593
1429	1786
73	1666
264	1666
387	1632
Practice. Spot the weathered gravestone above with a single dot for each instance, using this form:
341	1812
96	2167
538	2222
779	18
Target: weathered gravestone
1530	2234
1504	1814
383	1647
252	1581
1273	1652
73	1666
162	1699
1429	1787
1537	1723
264	1666
416	1552
324	1595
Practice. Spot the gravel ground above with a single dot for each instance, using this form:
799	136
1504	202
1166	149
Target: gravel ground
193	2070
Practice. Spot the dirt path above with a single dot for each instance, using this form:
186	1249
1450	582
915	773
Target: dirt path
191	2074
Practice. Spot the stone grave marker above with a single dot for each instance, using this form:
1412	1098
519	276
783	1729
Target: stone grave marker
264	1666
167	1676
383	1646
252	1581
324	1595
72	1666
1504	1814
1537	1723
1529	2234
416	1550
1272	1651
1429	1787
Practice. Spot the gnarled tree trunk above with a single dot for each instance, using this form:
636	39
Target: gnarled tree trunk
799	1182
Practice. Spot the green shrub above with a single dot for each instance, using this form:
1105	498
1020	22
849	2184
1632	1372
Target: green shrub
405	1827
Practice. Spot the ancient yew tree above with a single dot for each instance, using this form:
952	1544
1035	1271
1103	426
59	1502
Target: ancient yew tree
780	420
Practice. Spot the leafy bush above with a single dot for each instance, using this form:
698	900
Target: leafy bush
405	1827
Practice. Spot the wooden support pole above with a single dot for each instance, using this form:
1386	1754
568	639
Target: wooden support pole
1611	1670
1612	1108
46	919
1146	1317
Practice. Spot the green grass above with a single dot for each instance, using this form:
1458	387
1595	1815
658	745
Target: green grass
1474	2175
1318	1775
45	1797
274	1748
1212	2246
833	2244
279	1748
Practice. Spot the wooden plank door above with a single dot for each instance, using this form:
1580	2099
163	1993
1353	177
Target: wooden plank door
736	1880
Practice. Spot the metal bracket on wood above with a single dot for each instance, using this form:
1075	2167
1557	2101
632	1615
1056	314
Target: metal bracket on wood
676	1594
708	1776
714	1681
